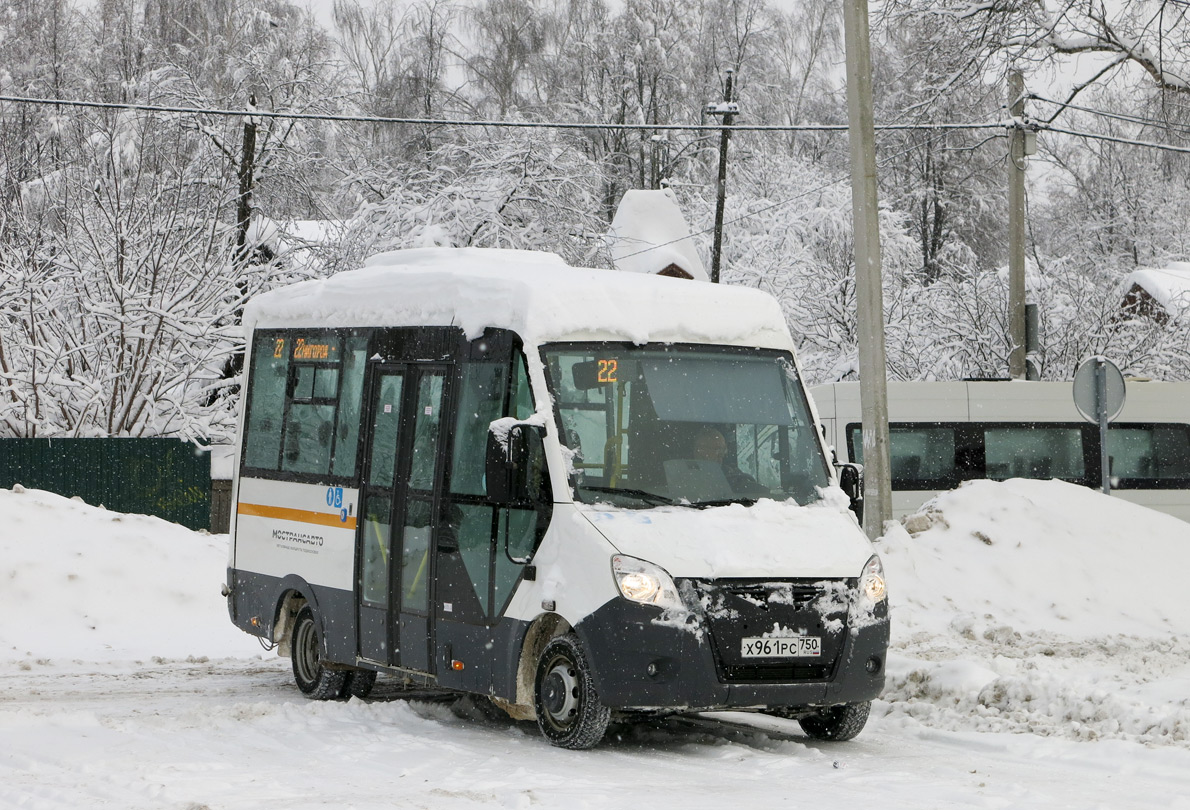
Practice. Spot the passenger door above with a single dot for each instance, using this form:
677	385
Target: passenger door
402	482
484	545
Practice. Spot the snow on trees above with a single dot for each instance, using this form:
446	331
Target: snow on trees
119	282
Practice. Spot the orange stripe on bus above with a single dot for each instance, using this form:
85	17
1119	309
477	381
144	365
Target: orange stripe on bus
299	515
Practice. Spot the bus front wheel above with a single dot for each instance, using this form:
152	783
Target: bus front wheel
837	723
313	678
569	713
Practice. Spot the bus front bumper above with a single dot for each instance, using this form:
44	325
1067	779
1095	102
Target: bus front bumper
641	661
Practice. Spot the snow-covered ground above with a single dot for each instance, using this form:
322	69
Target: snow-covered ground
1041	660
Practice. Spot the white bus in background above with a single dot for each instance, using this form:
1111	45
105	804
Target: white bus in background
944	433
581	494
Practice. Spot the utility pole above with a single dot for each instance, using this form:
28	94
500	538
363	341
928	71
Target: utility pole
1016	226
728	110
245	176
873	386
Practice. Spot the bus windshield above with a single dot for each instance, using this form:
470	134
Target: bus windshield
663	424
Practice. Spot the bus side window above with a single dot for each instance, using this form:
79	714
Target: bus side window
308	438
481	401
266	402
350	396
304	402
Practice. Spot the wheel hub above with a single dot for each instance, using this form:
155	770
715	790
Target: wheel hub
559	693
307	652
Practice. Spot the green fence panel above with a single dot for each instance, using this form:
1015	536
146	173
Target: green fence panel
167	478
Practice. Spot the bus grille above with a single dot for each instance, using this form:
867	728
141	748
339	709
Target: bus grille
740	609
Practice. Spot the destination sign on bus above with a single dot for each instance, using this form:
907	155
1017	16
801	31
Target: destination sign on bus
304	349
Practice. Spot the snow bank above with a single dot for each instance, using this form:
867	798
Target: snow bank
80	582
1024	606
1039	607
1038	556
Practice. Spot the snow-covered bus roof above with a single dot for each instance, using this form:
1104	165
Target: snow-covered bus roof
537	295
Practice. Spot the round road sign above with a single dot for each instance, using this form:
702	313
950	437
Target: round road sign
1086	389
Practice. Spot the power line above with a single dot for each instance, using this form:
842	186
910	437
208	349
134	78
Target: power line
367	119
937	128
1127	118
1127	141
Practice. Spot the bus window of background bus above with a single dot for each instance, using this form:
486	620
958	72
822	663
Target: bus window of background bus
1034	451
1149	454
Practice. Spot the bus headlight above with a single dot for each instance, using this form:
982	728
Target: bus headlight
871	581
644	582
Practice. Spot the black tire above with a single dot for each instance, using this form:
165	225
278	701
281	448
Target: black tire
359	683
569	713
313	678
838	723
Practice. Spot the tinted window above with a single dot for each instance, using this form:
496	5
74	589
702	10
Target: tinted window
266	405
939	456
304	403
494	541
308	430
1034	451
923	456
481	401
1149	452
350	396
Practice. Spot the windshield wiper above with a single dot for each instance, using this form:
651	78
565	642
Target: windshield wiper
640	494
722	502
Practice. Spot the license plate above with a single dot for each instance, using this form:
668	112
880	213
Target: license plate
791	647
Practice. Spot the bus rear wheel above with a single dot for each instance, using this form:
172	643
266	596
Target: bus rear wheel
313	677
569	713
837	723
359	683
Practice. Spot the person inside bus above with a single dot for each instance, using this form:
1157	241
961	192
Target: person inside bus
709	445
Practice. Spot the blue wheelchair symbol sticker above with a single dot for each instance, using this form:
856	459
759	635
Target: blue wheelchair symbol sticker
334	497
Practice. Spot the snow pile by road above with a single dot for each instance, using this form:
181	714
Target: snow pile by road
1042	607
1021	606
1039	556
78	582
1049	669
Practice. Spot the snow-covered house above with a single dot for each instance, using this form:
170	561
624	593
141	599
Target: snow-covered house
649	234
301	244
1159	293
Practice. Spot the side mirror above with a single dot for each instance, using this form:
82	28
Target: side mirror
514	461
851	481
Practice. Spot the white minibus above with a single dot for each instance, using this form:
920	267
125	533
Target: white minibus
944	433
585	495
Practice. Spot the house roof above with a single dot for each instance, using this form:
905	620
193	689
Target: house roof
649	234
1169	286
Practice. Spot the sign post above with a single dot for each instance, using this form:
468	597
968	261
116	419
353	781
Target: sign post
1099	397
